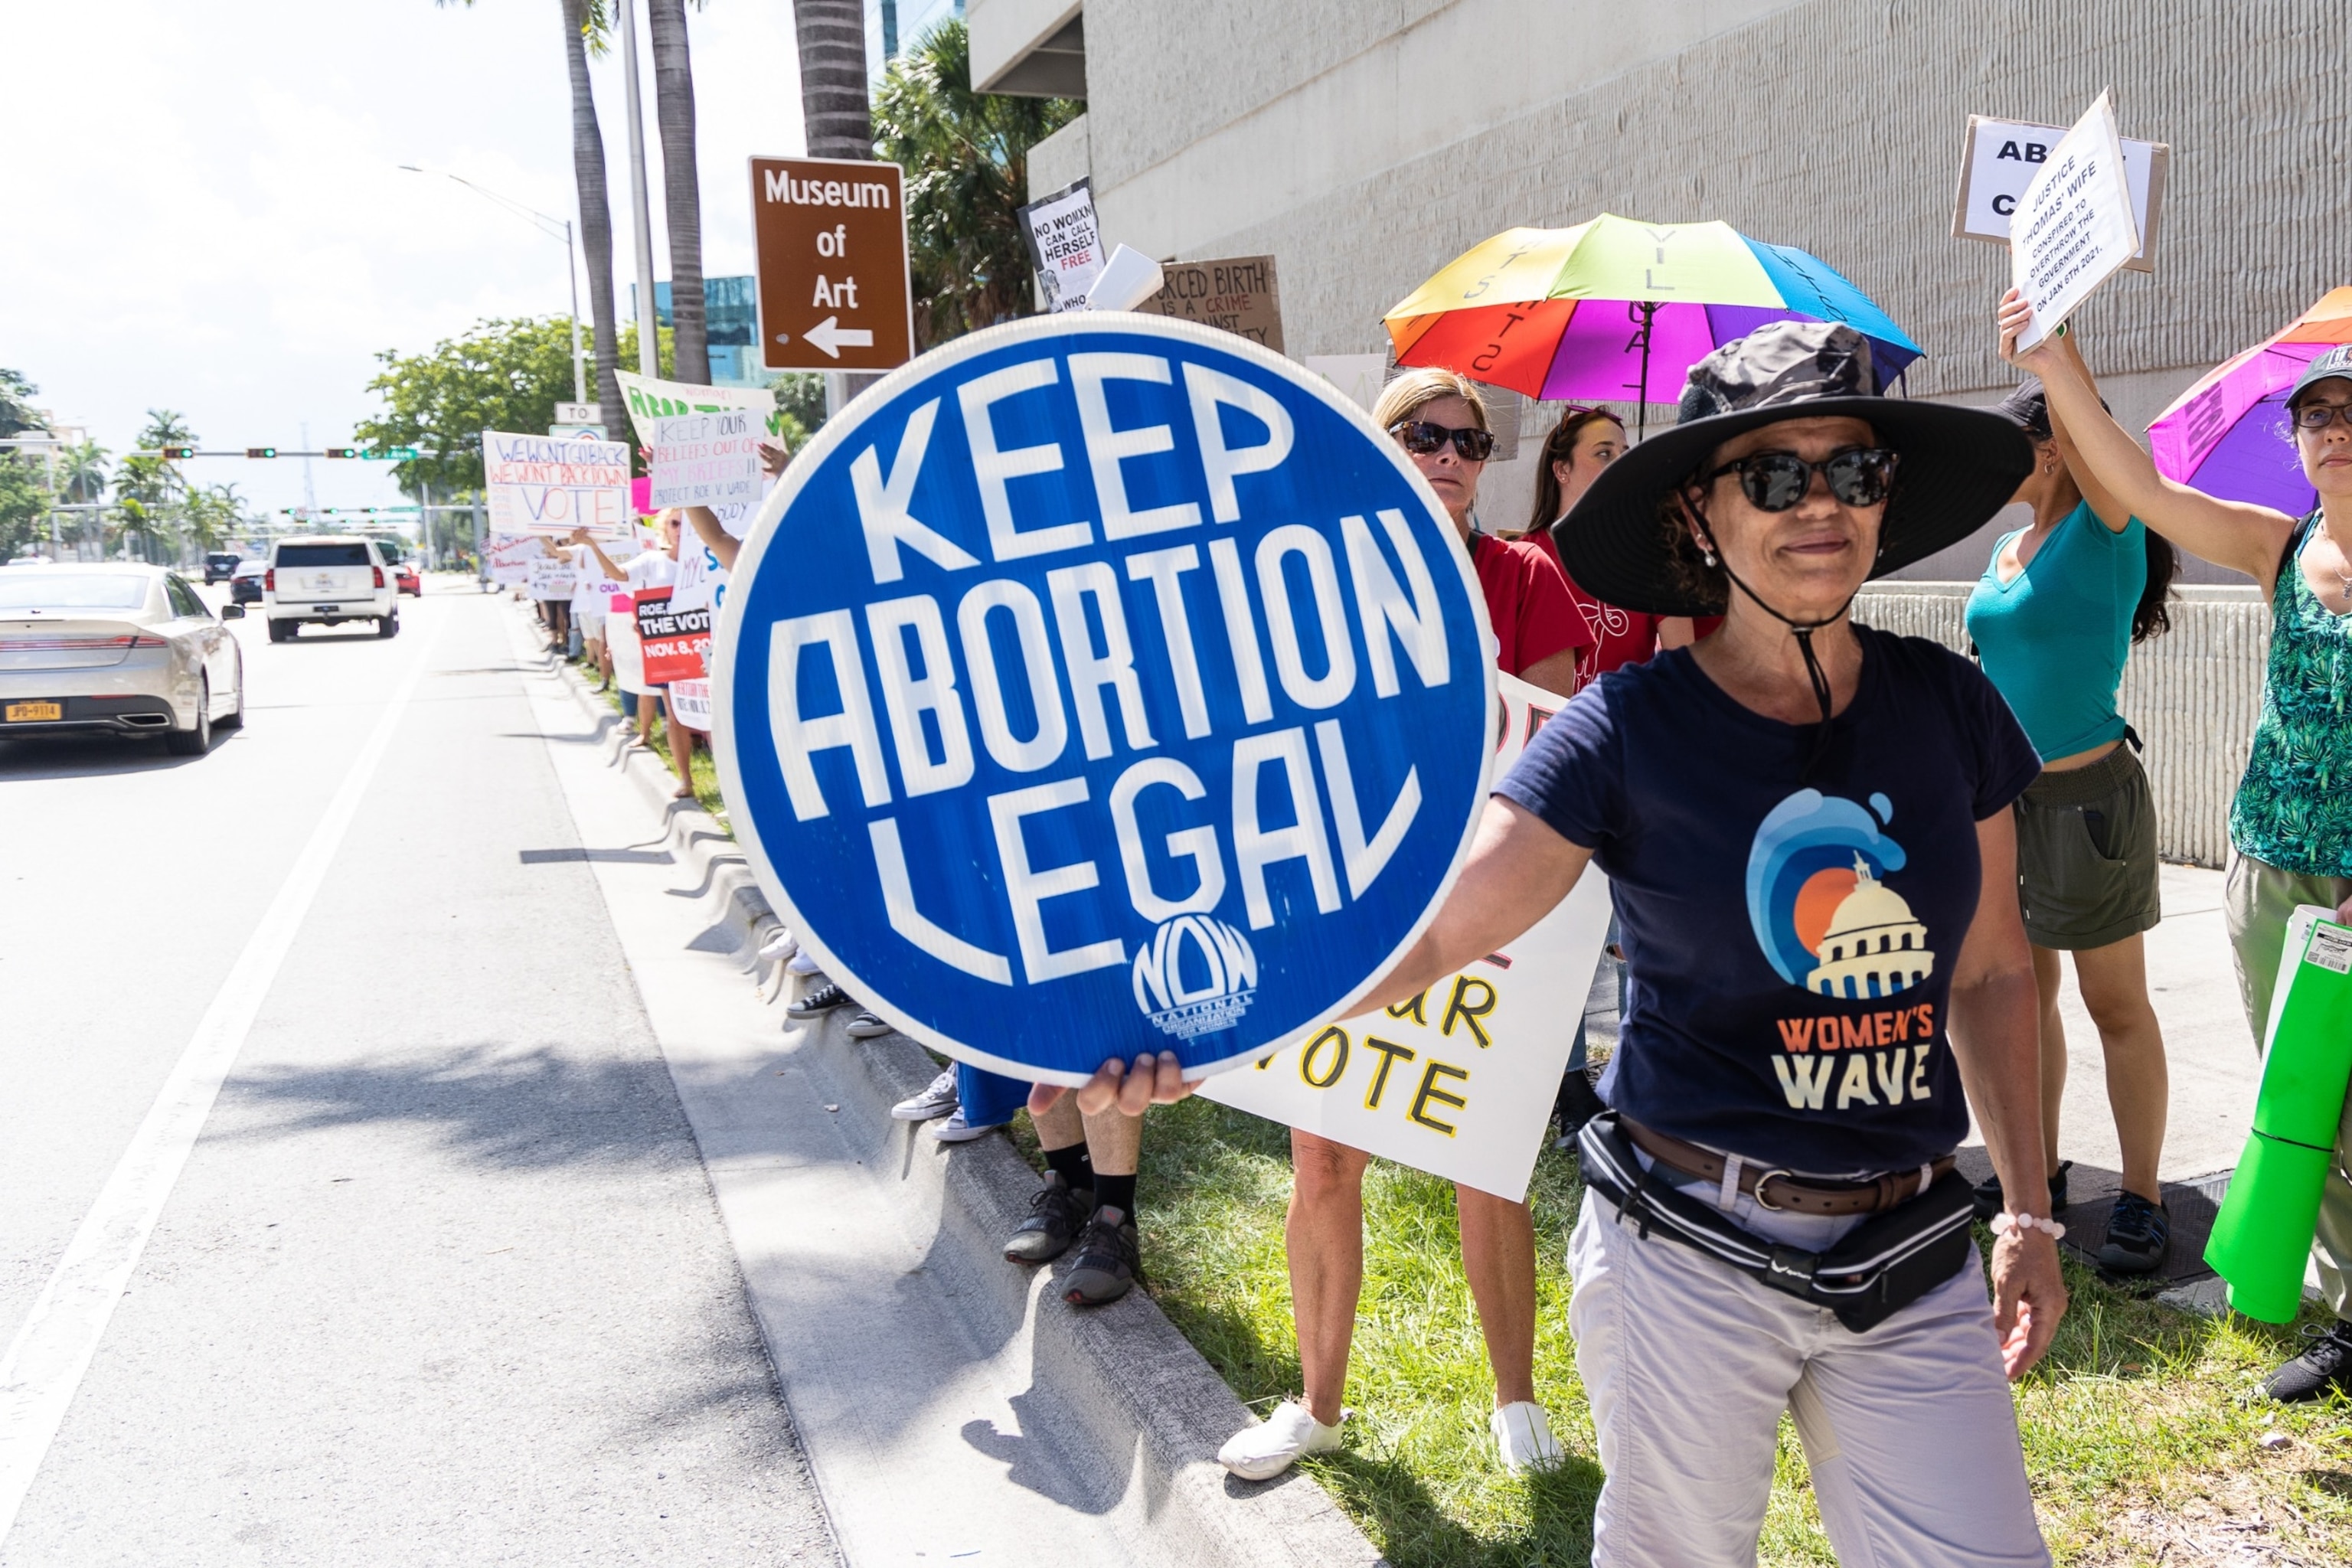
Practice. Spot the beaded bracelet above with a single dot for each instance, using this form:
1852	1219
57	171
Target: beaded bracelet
2002	1223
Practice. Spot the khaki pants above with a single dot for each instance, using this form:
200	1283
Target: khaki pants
2258	901
1908	1428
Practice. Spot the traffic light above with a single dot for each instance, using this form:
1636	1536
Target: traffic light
171	452
342	451
261	452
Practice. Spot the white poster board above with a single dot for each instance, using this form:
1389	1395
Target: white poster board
705	440
548	486
2074	227
690	703
1999	158
509	560
1460	1080
1066	245
551	577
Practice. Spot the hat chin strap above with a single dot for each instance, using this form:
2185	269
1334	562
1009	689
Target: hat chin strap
1802	630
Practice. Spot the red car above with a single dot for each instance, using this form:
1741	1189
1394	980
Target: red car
404	579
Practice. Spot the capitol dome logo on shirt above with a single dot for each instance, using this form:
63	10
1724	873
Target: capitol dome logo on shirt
1818	899
1197	975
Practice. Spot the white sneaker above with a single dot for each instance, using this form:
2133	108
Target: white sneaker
802	962
1261	1452
939	1099
784	944
1523	1437
956	1130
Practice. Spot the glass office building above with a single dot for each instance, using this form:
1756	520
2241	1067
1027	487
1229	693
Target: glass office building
731	316
892	27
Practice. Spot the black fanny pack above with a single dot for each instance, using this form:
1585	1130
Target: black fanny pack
1881	1266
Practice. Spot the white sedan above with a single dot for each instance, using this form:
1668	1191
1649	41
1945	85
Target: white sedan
119	647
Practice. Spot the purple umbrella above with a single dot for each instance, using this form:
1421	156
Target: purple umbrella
2228	435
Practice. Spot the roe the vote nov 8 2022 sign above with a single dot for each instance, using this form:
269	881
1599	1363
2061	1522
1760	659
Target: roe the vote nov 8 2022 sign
1104	684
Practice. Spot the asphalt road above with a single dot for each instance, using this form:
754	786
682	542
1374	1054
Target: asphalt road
442	1280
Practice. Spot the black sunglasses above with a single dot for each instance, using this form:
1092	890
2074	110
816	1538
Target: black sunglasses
1775	481
1420	438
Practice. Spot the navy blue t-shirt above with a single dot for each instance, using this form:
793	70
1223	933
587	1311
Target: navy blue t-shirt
1790	947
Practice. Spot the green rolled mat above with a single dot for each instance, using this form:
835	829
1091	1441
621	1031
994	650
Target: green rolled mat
2263	1232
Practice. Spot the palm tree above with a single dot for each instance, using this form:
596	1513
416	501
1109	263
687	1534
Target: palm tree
586	25
681	189
831	39
82	474
967	159
165	427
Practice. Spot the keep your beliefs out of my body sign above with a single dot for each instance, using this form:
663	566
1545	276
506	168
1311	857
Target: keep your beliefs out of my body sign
1098	685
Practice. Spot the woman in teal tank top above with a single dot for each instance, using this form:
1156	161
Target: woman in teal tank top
2053	619
2290	822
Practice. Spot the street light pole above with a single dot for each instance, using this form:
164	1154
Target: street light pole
648	323
549	227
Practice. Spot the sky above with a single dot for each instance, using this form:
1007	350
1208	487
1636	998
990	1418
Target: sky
205	210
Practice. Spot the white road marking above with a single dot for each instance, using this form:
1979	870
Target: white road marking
46	1362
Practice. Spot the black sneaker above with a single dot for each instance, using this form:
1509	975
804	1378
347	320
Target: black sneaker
1577	1104
2137	1233
1056	1214
1109	1260
819	1001
1990	1200
2327	1364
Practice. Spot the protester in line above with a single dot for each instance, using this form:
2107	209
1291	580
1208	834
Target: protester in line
1439	419
1585	441
656	566
588	608
2054	618
2291	821
1768	803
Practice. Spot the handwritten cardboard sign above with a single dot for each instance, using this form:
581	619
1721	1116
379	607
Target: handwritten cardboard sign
1237	295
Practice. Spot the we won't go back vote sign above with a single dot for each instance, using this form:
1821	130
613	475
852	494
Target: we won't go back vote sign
1104	684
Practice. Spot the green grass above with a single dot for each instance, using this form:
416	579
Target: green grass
2140	1438
705	765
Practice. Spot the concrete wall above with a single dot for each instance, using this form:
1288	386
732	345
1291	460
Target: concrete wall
2193	694
1365	143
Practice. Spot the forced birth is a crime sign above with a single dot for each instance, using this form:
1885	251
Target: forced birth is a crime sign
1098	685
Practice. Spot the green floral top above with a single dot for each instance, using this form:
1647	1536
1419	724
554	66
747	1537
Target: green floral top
2294	808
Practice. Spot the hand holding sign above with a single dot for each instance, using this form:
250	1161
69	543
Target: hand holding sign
2073	227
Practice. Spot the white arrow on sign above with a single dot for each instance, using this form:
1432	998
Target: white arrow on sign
832	338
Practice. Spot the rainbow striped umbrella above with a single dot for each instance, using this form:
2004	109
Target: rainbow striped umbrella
2228	435
1583	312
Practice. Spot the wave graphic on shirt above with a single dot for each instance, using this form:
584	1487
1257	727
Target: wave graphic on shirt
1819	902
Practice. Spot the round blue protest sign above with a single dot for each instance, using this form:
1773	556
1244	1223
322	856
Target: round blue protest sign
1104	684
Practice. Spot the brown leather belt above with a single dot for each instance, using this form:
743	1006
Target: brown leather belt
1776	1189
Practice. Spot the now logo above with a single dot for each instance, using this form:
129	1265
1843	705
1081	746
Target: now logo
1222	973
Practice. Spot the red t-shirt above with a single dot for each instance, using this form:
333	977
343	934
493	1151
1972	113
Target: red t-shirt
1620	637
1527	602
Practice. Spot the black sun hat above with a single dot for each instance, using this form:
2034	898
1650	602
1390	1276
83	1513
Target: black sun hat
1956	466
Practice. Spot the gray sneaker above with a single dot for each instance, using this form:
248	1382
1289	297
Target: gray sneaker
869	1026
956	1130
936	1100
1055	1213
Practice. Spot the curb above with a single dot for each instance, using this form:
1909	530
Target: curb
1144	1399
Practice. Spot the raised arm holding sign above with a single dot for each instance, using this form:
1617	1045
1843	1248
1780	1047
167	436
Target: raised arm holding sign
2074	227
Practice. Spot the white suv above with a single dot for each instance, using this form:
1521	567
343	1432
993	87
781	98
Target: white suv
326	579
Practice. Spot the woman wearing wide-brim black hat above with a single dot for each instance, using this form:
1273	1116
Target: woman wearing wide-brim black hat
1806	824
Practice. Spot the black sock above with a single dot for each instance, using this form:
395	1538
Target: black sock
1116	1193
1072	1165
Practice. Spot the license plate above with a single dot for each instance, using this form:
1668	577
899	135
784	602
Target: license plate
34	712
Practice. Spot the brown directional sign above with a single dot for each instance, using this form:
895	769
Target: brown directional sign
831	238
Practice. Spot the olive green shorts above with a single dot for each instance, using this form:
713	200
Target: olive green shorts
2086	873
